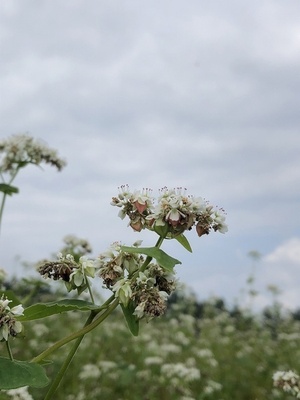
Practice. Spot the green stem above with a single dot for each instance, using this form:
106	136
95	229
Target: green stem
2	207
65	365
82	331
90	290
148	258
89	325
9	351
4	195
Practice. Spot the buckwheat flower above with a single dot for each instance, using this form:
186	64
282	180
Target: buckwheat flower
90	371
142	200
19	393
106	366
4	304
86	268
212	387
124	193
169	348
137	206
219	222
111	272
154	360
76	246
123	291
175	210
289	381
165	281
139	310
131	262
17	310
114	263
20	150
9	326
144	280
150	302
181	371
58	270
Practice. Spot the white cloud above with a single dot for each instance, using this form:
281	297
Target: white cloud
289	252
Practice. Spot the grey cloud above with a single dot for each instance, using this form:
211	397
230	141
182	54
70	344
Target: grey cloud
197	94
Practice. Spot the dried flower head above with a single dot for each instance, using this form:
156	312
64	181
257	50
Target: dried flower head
56	270
150	291
74	273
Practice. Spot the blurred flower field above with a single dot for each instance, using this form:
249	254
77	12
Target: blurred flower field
196	351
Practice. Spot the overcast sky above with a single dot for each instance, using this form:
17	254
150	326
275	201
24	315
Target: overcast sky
203	95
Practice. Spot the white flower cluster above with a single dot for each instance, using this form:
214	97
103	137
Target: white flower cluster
79	276
289	381
8	324
137	206
74	273
115	263
174	212
147	290
76	246
19	393
20	150
178	371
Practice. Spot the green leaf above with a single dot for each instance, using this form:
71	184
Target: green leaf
8	189
132	320
15	374
43	310
164	260
184	242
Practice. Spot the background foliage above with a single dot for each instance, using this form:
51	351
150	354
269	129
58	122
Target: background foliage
198	350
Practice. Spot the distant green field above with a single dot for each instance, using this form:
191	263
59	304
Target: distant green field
194	352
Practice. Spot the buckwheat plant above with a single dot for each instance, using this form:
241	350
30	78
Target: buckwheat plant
140	279
16	153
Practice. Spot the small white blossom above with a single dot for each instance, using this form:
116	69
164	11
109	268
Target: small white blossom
139	310
8	324
123	290
89	371
17	310
181	371
154	360
19	393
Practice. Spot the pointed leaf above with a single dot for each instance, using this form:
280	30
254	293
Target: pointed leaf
8	189
164	260
15	374
43	310
132	320
184	242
